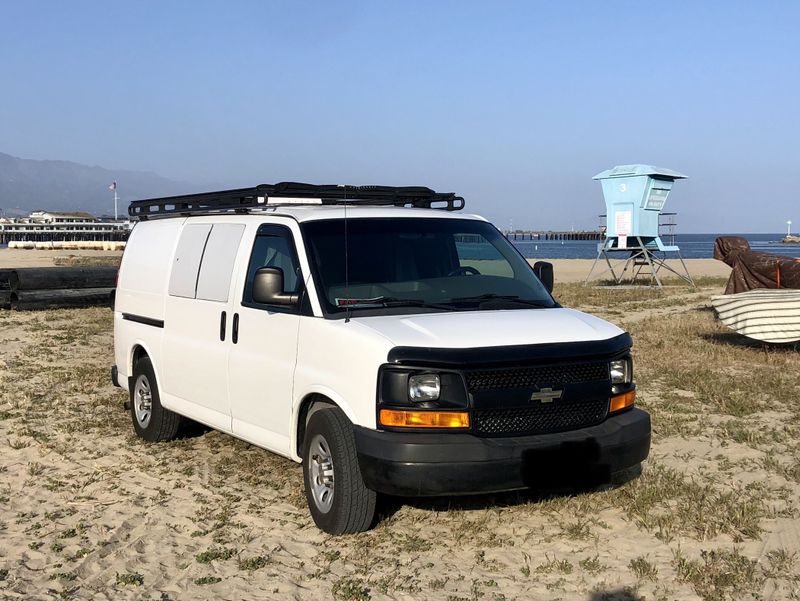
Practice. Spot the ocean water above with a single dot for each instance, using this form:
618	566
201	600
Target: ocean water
693	246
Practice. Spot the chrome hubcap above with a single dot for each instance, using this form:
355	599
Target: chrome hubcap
142	401
320	472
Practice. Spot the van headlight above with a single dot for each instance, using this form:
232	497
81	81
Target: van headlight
621	371
421	388
424	387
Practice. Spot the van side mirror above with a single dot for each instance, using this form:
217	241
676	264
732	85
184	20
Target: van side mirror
268	288
544	271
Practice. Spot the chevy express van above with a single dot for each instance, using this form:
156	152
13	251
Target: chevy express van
375	334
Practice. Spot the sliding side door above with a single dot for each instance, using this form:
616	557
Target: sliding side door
197	323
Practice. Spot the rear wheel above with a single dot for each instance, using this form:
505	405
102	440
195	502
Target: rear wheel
339	501
150	420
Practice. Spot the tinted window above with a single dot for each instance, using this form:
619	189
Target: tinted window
419	261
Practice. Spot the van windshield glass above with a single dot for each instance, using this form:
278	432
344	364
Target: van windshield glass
424	264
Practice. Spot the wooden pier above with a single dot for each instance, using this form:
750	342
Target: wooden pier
551	235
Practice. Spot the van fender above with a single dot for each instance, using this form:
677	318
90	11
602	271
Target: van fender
149	351
324	391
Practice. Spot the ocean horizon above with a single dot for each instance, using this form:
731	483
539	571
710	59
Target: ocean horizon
692	246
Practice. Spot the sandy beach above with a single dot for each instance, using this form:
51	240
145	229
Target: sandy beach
89	511
15	257
566	270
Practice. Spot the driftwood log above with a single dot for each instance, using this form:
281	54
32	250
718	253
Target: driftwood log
5	277
52	299
5	288
61	278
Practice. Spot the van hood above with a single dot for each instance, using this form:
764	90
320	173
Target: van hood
473	329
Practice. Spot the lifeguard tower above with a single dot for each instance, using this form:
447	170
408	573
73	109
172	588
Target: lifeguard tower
635	196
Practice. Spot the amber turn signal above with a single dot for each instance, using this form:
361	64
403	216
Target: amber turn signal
622	401
424	419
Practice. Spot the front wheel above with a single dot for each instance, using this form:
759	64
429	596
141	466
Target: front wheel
339	501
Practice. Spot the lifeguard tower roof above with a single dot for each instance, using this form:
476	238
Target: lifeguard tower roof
634	170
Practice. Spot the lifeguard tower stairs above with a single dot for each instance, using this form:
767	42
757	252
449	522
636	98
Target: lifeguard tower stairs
633	251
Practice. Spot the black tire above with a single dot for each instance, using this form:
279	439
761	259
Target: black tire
161	424
626	475
352	506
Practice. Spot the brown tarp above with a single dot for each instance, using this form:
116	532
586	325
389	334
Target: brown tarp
751	270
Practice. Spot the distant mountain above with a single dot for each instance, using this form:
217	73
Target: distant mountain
27	185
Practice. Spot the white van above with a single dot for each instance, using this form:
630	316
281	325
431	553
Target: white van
390	346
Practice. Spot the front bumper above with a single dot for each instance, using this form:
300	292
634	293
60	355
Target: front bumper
423	464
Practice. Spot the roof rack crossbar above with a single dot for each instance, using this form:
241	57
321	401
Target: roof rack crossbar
244	199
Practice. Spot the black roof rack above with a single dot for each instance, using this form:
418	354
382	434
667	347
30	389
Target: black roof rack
243	200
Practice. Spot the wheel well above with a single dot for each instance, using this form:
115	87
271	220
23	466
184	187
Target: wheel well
309	405
138	353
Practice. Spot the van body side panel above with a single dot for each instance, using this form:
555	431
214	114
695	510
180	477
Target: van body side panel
339	360
194	381
141	289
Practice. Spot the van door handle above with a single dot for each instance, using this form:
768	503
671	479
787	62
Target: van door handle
222	320
235	333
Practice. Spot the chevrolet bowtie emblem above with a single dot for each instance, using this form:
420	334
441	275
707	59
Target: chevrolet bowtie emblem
546	395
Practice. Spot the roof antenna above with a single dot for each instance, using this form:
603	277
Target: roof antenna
348	309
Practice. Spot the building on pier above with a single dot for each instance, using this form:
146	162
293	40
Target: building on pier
51	226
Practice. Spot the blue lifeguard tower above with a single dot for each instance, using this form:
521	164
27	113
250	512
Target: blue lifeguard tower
635	196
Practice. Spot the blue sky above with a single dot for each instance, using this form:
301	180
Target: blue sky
516	105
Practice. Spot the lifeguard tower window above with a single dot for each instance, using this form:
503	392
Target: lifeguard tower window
635	196
657	198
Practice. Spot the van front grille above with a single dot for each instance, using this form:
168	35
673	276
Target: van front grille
502	406
554	376
540	418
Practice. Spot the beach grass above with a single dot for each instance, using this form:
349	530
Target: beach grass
87	509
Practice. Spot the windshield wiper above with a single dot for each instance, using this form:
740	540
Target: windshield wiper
481	298
390	301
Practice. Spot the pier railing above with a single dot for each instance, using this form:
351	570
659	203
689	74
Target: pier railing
555	235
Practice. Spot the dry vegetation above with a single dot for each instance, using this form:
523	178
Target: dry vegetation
109	260
89	511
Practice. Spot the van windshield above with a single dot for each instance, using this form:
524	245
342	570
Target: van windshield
422	264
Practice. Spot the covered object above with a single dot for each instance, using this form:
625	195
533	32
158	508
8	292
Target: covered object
753	270
762	298
766	315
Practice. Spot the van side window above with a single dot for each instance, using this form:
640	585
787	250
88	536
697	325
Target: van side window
216	269
204	261
183	279
273	247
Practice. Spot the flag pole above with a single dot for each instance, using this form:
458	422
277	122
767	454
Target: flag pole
115	203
